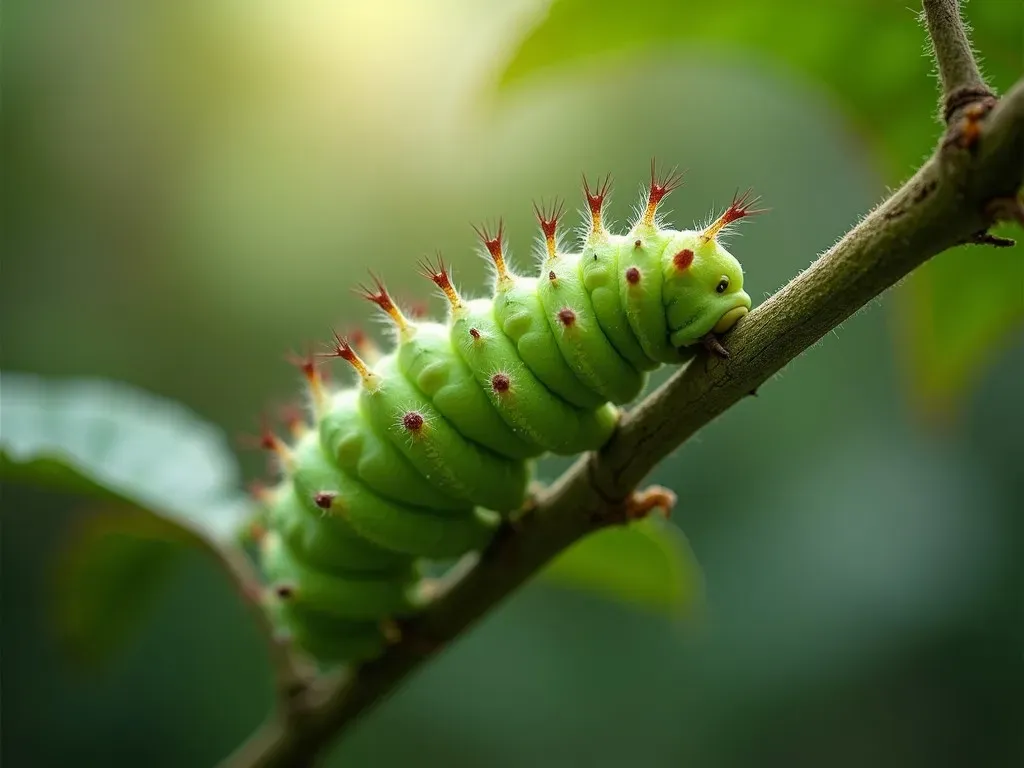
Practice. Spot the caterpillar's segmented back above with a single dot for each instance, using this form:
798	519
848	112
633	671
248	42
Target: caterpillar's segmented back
423	456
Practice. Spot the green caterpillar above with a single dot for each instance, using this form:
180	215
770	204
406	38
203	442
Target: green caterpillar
422	458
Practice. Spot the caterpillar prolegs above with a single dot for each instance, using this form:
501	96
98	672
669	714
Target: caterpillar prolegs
420	460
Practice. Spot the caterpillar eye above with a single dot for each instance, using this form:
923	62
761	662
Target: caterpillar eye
723	284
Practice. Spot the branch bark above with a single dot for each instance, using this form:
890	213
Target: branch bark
962	82
956	194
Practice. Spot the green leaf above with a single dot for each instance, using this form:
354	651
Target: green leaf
956	317
648	564
110	568
162	478
867	56
111	441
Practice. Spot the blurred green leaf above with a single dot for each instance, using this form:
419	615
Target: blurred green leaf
648	563
872	66
111	566
956	317
169	476
111	441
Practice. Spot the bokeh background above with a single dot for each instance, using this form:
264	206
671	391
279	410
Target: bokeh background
191	189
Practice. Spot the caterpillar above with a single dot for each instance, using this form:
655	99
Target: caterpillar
429	451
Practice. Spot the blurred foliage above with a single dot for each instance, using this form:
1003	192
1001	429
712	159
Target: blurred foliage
112	441
953	317
192	187
161	477
107	577
647	563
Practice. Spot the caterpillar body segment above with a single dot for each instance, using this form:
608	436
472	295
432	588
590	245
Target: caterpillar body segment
425	455
429	360
517	394
603	273
522	317
357	450
581	339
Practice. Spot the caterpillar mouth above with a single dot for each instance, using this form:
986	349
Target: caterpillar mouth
729	319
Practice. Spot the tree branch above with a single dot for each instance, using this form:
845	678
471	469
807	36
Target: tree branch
957	193
962	82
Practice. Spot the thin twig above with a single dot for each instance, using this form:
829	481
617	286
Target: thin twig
962	82
950	199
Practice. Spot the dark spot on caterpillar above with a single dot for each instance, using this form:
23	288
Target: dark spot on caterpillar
500	383
633	275
324	499
413	421
638	244
567	317
683	259
552	276
284	591
474	333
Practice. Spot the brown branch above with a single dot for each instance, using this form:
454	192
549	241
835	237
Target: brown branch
956	194
962	83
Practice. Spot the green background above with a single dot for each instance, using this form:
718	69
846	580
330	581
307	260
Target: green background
191	190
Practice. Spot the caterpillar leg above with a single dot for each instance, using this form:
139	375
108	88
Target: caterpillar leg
641	503
712	344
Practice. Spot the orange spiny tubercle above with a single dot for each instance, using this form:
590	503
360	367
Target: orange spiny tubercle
307	364
382	299
547	217
343	349
660	188
596	200
438	275
294	420
358	339
418	309
740	207
268	441
494	245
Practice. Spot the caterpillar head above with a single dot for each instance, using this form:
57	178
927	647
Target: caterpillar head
703	287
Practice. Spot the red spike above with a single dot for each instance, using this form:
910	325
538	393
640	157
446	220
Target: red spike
660	188
268	441
438	275
307	364
363	345
494	244
418	309
357	337
382	299
741	207
343	349
294	419
596	200
547	217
